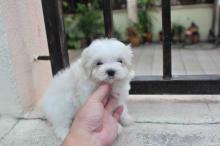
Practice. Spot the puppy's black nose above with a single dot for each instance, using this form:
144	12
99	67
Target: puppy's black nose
110	72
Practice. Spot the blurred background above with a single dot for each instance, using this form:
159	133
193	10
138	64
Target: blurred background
135	21
195	31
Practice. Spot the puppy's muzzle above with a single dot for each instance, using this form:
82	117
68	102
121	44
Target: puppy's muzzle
110	72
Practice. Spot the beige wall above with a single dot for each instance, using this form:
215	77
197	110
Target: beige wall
121	22
200	14
23	80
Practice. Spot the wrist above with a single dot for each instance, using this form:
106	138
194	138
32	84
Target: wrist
79	137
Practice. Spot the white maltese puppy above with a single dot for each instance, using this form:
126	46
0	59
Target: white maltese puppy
105	60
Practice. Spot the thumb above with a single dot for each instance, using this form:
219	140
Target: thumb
101	93
118	112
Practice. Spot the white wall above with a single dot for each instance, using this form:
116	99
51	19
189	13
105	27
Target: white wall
22	37
200	14
8	91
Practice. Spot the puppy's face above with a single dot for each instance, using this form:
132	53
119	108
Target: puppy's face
107	60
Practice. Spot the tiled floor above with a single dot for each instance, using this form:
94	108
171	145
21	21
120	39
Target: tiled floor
186	60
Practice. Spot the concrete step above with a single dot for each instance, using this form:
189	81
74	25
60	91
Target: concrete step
147	134
160	121
175	109
30	133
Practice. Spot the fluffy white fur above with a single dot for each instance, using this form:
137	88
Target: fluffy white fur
72	86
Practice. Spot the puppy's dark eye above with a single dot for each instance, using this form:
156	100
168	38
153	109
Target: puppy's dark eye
99	63
120	61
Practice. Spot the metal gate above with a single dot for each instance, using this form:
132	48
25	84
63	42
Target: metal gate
166	84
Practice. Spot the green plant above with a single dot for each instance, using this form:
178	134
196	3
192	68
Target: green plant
96	4
117	34
178	29
84	26
138	29
65	5
144	18
73	34
145	3
143	27
89	21
145	21
178	32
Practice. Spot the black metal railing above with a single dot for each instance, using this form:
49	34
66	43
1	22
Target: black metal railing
166	84
108	21
53	18
166	22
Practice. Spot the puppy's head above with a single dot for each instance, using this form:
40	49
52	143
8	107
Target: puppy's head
107	60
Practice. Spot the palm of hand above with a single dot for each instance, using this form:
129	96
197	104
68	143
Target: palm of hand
96	121
107	132
101	123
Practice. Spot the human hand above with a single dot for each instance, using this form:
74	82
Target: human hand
96	123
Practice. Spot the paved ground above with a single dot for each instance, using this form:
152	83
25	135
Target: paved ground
186	60
159	121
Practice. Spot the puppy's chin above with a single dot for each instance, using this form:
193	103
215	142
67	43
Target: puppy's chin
110	80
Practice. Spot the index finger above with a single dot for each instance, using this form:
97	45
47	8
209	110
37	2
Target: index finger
101	93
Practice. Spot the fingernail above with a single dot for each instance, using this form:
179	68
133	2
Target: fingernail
120	109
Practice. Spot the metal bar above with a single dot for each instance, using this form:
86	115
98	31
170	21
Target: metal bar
53	17
185	84
166	22
107	13
214	15
43	58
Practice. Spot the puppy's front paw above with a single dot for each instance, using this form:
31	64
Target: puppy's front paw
120	128
61	133
126	120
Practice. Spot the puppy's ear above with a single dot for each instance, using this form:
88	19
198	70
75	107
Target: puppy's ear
131	74
130	49
128	55
129	61
85	60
